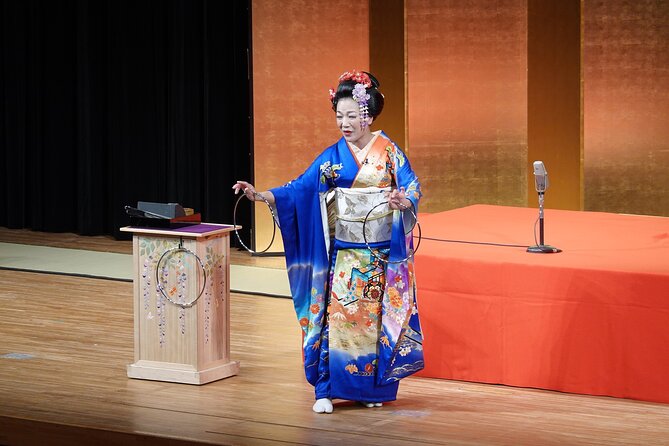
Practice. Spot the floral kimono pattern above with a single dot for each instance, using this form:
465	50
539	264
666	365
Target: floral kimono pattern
358	313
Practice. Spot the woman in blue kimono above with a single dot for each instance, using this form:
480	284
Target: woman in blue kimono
354	293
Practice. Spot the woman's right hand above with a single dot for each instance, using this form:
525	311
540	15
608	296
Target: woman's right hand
397	199
246	188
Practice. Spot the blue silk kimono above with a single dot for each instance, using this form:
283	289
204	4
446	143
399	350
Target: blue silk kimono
358	314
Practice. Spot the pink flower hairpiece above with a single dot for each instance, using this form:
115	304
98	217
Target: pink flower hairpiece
360	95
358	77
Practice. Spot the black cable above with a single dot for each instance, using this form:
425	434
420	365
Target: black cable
475	243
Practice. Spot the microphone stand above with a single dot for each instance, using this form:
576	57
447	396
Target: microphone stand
541	248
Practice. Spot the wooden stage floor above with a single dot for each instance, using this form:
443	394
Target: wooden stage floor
66	342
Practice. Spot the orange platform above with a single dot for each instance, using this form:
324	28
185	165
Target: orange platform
593	319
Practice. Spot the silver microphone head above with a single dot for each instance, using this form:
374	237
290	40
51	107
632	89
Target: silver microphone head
540	177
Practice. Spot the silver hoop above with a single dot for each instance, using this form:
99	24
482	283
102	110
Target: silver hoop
159	283
371	250
274	220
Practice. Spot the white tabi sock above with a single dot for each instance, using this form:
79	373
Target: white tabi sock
323	405
372	404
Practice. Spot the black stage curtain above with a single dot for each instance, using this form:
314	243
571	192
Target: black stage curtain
108	102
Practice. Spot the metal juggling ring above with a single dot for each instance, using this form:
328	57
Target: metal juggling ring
159	283
234	223
371	250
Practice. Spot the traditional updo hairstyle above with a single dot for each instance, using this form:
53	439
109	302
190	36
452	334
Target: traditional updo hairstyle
347	83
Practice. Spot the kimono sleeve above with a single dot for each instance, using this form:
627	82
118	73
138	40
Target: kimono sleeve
405	177
299	213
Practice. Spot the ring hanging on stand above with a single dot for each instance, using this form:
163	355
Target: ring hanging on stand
159	283
416	224
274	220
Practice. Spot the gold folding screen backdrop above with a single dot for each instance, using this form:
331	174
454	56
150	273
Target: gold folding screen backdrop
467	96
626	106
464	90
300	47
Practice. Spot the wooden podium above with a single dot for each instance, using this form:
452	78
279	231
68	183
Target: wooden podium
182	305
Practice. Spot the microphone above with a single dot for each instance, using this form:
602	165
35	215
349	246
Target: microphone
541	184
540	177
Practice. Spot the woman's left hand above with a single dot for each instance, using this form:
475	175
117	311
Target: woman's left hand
397	199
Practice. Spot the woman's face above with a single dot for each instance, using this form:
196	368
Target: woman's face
348	121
